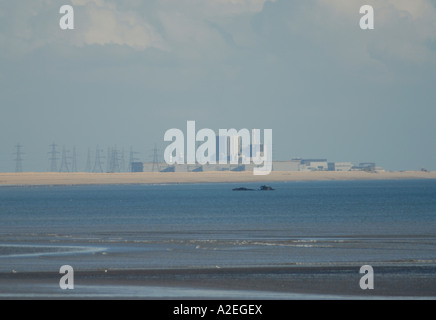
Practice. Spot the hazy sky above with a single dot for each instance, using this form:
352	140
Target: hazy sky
133	69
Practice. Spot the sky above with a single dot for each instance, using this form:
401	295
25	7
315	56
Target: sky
131	70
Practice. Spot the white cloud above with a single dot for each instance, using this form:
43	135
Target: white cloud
238	6
23	27
211	8
402	32
33	24
104	24
198	28
191	38
205	30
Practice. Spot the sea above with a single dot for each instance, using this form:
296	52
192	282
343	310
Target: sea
183	226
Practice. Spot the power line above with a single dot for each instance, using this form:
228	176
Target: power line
53	157
132	159
74	161
98	166
108	159
155	160
88	162
64	162
114	163
18	158
122	161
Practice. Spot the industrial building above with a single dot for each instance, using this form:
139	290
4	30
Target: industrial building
137	166
313	165
367	166
340	166
291	165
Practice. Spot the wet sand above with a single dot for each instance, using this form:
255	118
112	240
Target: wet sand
331	282
50	178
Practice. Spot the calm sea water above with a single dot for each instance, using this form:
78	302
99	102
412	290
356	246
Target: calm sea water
203	225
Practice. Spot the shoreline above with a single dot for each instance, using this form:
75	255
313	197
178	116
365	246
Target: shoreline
208	283
82	178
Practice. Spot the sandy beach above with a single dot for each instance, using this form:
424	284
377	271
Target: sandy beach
80	178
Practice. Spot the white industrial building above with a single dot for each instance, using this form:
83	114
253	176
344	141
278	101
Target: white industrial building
340	166
285	166
314	165
292	165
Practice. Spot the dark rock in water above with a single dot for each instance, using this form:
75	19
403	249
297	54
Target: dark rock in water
266	188
262	188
